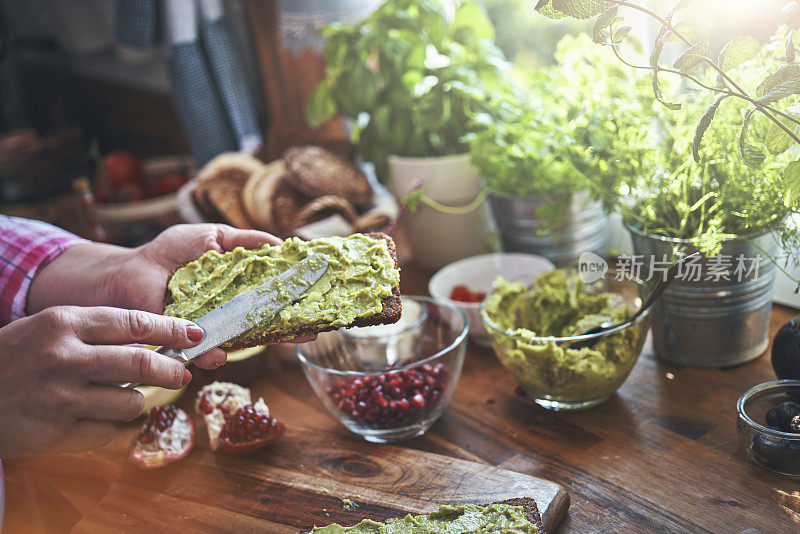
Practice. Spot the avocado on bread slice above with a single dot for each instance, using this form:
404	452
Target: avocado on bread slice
455	518
361	287
529	508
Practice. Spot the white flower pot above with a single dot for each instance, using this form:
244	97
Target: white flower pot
437	238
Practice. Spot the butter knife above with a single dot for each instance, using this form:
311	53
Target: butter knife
252	307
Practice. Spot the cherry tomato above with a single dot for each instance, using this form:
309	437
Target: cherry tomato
462	293
168	183
127	192
121	168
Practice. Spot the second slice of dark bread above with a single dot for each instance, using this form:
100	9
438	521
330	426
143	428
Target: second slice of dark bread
390	313
529	508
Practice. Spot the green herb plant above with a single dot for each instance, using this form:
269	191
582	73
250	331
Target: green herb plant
409	76
728	164
770	97
581	125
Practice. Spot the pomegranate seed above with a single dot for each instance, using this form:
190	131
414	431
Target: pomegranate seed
146	436
246	424
391	399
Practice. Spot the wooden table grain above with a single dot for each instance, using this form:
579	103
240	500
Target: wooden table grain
659	456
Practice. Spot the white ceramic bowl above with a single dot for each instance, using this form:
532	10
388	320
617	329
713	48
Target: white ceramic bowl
479	273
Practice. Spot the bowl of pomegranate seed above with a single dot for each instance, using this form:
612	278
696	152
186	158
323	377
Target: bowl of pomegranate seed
466	282
391	382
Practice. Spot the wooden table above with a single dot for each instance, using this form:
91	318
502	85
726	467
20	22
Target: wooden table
659	456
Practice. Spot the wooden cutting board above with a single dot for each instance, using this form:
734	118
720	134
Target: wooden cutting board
296	483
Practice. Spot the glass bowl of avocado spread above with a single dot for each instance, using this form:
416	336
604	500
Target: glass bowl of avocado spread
533	330
390	382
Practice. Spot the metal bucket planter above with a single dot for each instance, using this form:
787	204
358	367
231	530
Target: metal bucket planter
581	227
712	322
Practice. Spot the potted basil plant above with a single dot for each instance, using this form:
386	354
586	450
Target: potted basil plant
408	77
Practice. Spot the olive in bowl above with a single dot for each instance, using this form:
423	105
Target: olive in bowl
768	424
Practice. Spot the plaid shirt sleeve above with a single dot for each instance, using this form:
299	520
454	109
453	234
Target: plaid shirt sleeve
25	247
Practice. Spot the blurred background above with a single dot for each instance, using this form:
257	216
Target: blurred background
161	87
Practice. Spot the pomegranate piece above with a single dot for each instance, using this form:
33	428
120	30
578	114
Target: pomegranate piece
392	399
167	435
249	429
235	424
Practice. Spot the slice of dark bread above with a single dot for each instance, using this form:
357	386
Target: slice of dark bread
529	508
390	313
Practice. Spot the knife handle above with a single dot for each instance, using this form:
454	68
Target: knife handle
175	354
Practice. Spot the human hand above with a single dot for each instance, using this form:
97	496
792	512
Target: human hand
55	364
142	280
136	278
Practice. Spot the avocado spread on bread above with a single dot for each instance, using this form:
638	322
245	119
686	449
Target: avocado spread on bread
361	274
464	519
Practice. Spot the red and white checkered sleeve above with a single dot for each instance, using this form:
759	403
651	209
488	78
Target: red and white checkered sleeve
25	247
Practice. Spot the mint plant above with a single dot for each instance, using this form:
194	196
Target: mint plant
770	98
746	180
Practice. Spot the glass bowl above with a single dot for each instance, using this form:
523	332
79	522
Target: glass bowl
558	377
773	449
390	382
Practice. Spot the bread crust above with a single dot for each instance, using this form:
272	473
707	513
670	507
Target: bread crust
529	508
217	191
269	202
390	313
315	172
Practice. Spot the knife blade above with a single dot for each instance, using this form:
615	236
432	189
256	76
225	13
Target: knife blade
252	307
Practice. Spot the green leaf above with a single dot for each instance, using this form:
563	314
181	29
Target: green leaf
686	29
603	22
692	57
320	105
470	16
579	9
791	179
790	46
737	51
751	155
703	125
621	34
412	199
776	139
655	56
787	74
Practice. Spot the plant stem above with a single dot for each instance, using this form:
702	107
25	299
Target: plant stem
667	23
764	108
720	90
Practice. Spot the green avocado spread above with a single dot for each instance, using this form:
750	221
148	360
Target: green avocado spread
360	275
560	306
464	519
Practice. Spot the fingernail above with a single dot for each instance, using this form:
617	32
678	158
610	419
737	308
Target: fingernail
194	333
187	377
